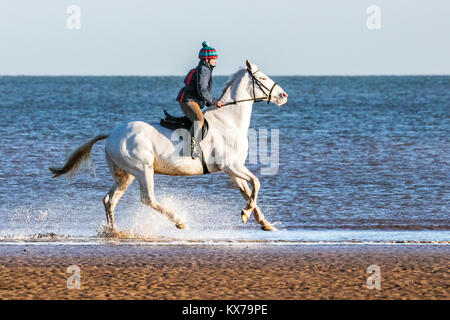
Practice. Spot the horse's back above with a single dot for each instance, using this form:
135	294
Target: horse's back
133	145
137	141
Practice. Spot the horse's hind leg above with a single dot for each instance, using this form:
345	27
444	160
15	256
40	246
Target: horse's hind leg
122	181
146	184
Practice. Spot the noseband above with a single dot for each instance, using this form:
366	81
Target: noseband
266	91
261	86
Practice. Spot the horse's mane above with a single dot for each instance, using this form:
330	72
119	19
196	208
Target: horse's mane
231	81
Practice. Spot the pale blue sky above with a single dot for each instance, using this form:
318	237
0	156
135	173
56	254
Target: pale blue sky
283	37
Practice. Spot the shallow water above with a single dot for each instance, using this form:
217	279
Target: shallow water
361	159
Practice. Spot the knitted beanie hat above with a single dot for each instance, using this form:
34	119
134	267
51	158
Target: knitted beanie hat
207	52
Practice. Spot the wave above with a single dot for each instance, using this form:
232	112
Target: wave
245	237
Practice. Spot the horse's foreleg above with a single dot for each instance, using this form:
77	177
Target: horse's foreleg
240	171
246	193
241	175
148	197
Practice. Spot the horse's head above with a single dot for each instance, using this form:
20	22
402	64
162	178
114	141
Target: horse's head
264	87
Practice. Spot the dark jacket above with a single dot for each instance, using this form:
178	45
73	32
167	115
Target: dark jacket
198	84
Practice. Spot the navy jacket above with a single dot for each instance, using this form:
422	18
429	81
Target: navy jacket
198	84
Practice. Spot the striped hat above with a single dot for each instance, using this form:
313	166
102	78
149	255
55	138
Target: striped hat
207	52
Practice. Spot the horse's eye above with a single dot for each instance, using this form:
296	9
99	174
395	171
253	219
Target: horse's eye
263	78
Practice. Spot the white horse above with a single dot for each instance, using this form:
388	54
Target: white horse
140	150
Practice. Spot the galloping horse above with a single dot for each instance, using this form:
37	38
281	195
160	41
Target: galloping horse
140	150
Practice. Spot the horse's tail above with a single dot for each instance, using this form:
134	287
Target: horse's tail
76	158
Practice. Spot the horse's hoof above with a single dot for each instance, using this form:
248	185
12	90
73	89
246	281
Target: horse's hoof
113	233
268	227
244	216
108	232
182	225
122	235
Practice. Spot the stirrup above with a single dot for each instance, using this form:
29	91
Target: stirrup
194	153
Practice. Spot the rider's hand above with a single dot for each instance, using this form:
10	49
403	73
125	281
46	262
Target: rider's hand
219	104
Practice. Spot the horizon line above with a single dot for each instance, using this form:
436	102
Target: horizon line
226	75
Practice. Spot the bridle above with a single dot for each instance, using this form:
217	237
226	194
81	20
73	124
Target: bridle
266	91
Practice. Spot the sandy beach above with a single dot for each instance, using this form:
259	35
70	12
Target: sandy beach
253	271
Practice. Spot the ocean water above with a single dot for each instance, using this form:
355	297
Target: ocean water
360	159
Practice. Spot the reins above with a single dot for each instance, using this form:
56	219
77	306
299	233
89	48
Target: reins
261	86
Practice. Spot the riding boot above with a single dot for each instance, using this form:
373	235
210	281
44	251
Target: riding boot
194	148
196	137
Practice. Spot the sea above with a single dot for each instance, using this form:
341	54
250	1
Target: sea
359	159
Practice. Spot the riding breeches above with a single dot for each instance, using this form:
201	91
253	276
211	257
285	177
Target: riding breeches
192	110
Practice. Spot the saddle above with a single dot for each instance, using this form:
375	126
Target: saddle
174	123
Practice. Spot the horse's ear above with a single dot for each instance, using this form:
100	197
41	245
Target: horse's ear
249	65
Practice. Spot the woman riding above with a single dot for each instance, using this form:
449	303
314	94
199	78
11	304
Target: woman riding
197	93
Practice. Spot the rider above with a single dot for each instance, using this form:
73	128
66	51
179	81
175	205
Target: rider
197	92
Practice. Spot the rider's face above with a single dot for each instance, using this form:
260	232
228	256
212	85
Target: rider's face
212	62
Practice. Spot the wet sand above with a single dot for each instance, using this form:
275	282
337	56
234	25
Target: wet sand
256	271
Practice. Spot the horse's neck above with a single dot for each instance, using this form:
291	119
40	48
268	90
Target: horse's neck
237	116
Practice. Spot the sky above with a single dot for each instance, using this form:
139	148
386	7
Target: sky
283	37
